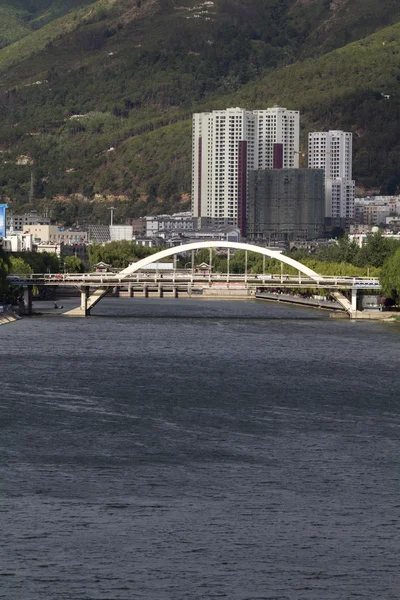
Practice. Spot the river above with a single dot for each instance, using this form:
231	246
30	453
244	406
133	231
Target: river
190	449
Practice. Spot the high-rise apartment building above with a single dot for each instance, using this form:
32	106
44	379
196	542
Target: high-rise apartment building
332	152
226	144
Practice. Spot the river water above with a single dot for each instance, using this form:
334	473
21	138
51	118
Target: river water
190	449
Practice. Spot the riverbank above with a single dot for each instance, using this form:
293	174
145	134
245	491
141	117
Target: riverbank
312	302
8	317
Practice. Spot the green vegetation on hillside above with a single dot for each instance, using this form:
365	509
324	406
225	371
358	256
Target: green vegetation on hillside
98	101
18	18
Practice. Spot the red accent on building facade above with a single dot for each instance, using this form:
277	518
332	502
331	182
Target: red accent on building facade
242	187
199	178
278	156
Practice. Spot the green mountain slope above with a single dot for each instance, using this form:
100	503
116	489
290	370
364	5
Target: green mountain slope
18	18
98	100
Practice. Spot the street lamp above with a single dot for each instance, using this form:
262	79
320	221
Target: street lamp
111	209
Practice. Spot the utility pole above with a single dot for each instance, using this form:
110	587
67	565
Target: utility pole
31	189
111	209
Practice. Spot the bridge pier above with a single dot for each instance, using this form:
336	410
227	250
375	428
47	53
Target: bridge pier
130	291
354	299
84	300
160	291
116	291
145	291
28	296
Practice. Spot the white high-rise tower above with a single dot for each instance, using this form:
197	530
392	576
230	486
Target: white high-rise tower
332	151
225	145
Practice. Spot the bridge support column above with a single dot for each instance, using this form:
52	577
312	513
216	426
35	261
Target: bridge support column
145	291
116	291
228	261
28	295
175	292
160	291
354	299
130	291
84	300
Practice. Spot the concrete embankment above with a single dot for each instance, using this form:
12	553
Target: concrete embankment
312	302
8	317
369	315
337	311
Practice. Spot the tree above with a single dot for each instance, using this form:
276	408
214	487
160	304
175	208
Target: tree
376	250
19	266
43	262
390	276
73	264
118	254
4	269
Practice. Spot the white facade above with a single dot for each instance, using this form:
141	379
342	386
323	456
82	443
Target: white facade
277	126
158	266
18	242
226	144
119	233
332	151
362	238
158	224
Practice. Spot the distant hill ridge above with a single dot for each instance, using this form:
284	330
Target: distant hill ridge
98	95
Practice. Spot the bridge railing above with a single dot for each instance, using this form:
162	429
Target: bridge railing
189	276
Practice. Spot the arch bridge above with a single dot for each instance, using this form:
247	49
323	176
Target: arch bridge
89	300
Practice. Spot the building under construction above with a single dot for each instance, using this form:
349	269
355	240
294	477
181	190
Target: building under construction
285	204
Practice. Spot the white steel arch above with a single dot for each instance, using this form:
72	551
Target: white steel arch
220	244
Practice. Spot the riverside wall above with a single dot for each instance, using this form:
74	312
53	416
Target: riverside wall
8	317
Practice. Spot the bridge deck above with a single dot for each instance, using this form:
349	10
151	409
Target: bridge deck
184	280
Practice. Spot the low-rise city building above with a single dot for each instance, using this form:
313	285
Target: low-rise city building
18	242
78	250
55	234
149	241
50	247
374	211
19	222
178	222
119	233
361	238
99	234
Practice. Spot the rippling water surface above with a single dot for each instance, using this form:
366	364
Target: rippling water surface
173	449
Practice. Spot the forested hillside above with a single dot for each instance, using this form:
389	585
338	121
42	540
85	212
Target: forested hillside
96	98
